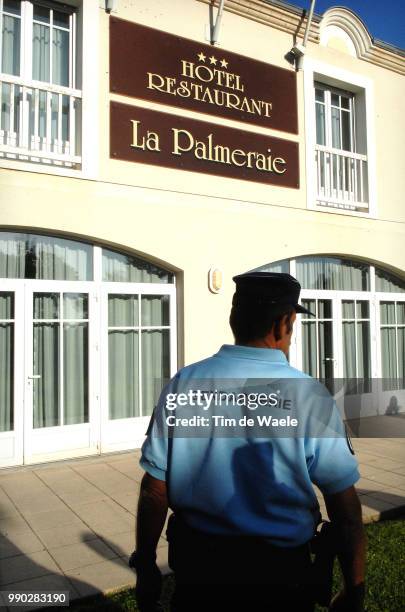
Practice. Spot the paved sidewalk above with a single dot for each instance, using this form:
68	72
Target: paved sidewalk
70	525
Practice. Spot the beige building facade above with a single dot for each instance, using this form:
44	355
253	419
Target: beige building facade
116	272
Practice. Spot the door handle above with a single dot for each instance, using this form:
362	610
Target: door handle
34	376
329	359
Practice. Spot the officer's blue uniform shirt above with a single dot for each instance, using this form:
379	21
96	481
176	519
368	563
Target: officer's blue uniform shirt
245	486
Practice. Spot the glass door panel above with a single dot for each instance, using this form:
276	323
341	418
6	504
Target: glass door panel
7	324
60	359
317	339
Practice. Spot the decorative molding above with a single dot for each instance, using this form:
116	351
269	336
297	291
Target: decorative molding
292	20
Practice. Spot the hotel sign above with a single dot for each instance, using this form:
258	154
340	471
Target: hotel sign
155	66
166	140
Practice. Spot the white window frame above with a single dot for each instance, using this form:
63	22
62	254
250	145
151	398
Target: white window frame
320	72
87	49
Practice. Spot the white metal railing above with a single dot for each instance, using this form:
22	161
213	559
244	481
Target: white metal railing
342	178
39	122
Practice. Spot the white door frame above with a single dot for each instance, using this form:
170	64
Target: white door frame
63	441
122	434
12	442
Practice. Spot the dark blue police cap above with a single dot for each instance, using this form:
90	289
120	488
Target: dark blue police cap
274	289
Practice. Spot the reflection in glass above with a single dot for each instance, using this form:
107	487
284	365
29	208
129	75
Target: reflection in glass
46	305
387	313
309	349
75	306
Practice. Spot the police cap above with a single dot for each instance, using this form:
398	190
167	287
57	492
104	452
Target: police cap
274	289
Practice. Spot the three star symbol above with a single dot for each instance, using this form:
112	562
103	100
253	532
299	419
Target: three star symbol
213	60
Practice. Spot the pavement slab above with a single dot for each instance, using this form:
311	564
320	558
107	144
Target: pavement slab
71	525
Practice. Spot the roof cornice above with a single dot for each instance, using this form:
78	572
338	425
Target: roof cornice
291	19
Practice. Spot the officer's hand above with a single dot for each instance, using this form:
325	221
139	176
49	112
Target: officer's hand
350	600
148	585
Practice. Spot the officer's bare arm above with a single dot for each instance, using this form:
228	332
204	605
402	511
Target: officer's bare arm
152	511
344	510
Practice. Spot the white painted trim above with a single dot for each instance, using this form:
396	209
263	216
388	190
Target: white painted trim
90	89
343	79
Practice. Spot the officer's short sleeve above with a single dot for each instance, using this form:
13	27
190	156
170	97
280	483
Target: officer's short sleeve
331	463
154	451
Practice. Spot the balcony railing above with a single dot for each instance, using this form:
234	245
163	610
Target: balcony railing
342	179
40	122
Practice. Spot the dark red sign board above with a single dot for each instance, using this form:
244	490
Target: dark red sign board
152	65
150	137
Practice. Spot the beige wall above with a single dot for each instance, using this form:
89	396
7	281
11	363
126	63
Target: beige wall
191	222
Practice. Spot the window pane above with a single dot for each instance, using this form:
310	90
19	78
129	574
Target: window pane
345	102
60	57
75	306
12	6
10	55
122	310
6	305
46	365
332	273
155	367
320	124
46	306
362	310
401	313
61	19
41	13
348	309
123	374
6	362
388	353
127	269
155	310
310	305
324	309
346	136
335	116
283	265
387	313
334	99
388	282
401	356
319	95
75	373
309	348
325	341
44	257
363	350
349	349
40	53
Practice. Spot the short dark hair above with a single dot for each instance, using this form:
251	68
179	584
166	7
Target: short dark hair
252	322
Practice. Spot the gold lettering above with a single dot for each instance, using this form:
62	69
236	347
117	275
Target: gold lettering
150	142
200	69
238	84
200	150
238	153
160	83
267	108
279	160
207	95
177	148
222	154
188	69
261	162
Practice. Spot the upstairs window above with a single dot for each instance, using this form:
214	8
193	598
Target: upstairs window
341	169
40	102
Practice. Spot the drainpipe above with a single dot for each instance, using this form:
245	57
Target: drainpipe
300	48
216	27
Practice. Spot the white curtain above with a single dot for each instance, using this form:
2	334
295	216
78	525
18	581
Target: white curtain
12	256
75	373
309	348
6	361
332	273
41	53
60	57
126	269
155	367
11	45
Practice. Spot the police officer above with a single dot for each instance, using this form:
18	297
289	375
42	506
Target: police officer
244	507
